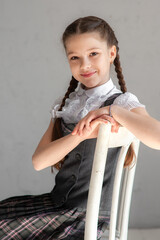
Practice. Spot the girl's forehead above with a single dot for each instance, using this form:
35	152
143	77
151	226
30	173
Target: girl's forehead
84	42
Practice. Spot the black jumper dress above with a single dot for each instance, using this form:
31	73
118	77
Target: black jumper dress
61	213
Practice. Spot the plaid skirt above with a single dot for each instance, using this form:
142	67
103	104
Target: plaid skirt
34	217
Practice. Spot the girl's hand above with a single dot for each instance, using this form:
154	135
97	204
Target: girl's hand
114	124
92	132
87	123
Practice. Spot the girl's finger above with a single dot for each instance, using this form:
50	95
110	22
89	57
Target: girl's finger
90	117
88	124
81	126
115	128
106	117
75	130
98	121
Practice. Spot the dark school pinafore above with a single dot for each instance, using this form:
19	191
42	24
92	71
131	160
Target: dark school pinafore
60	214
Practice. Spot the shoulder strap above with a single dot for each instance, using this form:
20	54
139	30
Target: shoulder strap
111	99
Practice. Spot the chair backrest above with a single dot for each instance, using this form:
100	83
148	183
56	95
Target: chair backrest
120	202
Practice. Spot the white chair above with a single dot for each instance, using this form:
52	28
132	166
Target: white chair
123	180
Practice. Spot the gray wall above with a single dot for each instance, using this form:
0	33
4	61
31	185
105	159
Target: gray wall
34	72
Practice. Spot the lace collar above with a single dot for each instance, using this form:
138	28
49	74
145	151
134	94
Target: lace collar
82	101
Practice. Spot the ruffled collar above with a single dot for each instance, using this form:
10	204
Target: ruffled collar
82	101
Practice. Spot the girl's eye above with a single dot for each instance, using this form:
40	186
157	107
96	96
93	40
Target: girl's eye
94	53
73	58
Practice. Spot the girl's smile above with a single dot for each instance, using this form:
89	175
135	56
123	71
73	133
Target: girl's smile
89	58
88	74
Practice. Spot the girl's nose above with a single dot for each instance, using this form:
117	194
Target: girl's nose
85	64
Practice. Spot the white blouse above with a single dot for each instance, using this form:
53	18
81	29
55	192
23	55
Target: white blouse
82	101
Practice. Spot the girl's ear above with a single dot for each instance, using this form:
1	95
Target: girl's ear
112	53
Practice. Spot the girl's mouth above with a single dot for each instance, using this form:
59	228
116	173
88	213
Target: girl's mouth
88	74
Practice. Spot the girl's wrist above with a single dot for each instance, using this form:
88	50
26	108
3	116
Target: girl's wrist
115	110
77	138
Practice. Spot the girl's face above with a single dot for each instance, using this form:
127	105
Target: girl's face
89	58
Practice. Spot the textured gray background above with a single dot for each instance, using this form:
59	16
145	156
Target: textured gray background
34	72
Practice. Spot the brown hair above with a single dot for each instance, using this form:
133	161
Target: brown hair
86	25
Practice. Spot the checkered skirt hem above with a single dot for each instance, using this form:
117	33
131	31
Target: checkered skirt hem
34	217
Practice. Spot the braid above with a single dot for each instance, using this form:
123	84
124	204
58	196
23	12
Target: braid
71	88
130	154
120	77
57	131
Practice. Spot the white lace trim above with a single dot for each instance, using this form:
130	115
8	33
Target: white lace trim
82	101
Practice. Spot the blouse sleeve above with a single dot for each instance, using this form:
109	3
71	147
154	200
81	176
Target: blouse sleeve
128	101
54	109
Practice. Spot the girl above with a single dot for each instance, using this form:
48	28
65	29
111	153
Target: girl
69	142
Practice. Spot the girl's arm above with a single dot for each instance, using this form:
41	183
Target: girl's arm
49	152
140	123
137	121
